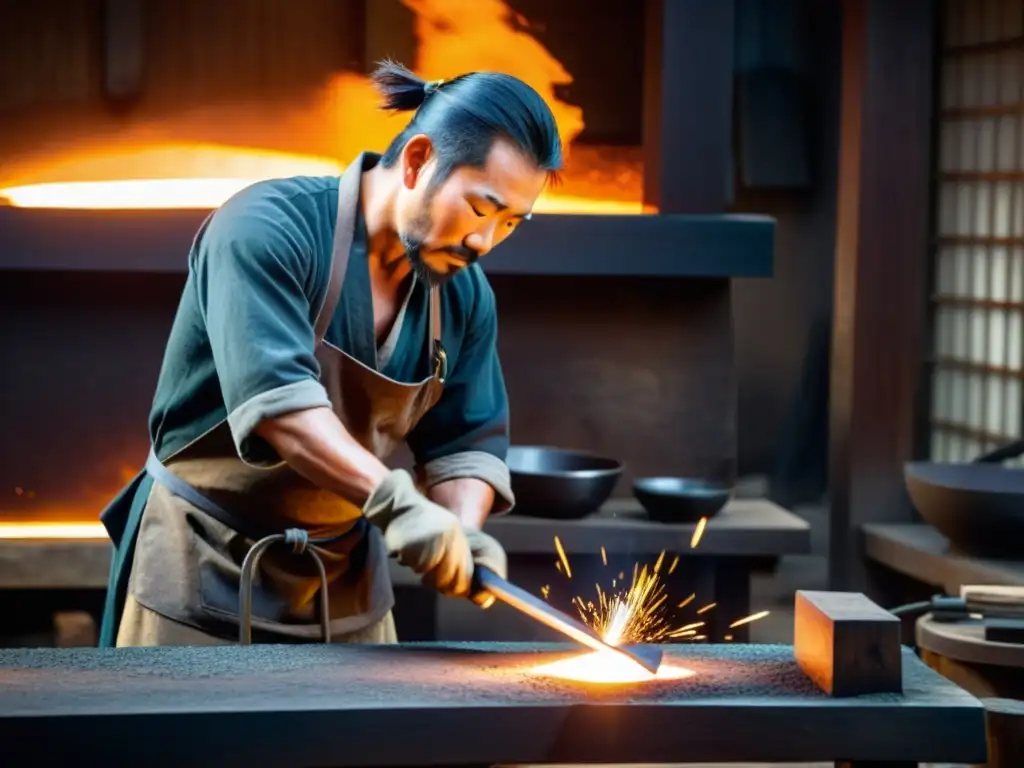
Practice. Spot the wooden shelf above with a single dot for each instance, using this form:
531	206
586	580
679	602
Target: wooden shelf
746	527
919	551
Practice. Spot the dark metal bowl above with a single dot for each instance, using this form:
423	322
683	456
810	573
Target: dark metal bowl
979	507
557	483
680	499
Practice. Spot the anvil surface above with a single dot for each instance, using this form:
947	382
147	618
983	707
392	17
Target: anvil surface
457	704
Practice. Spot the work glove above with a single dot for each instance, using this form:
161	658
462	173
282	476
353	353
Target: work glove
487	552
427	538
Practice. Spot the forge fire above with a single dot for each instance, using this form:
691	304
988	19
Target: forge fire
197	159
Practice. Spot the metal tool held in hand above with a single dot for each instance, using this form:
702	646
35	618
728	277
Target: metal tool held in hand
486	580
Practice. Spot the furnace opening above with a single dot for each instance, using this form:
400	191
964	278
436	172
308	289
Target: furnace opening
197	159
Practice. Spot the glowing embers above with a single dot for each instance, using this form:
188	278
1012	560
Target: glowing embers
608	668
172	176
91	531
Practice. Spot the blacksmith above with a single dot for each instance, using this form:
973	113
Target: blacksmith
323	323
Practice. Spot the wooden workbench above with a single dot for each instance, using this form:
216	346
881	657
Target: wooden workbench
457	705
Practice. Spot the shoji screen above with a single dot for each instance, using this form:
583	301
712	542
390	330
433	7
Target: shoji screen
978	304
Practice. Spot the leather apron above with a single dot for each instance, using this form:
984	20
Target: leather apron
199	523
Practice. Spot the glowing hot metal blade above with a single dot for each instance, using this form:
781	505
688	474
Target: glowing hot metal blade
486	580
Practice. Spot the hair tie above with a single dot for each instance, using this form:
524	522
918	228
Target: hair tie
432	86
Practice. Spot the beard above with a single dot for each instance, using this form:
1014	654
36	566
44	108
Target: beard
413	243
420	269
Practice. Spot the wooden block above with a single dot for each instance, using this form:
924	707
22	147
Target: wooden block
74	629
846	644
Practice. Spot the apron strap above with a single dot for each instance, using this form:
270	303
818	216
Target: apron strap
435	315
439	356
193	496
344	230
184	490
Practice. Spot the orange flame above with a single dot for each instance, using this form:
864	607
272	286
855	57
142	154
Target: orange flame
199	159
32	515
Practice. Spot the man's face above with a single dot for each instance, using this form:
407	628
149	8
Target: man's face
446	228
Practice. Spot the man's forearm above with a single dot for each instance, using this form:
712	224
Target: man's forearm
469	498
316	444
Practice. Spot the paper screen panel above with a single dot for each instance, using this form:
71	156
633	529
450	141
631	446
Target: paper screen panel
977	360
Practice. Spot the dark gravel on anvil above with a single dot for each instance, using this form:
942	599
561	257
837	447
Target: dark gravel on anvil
300	676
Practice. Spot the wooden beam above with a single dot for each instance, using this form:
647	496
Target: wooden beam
881	271
846	644
688	77
389	34
123	48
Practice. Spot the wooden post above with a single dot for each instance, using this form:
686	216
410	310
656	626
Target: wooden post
390	33
846	644
688	77
881	273
124	51
1004	728
687	152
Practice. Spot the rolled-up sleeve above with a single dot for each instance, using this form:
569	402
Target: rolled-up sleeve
466	434
253	281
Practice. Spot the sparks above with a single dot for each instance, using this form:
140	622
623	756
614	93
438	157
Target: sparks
679	633
690	630
638	614
545	591
635	615
698	532
661	559
748	619
561	556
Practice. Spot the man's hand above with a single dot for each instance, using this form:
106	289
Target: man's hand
426	536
